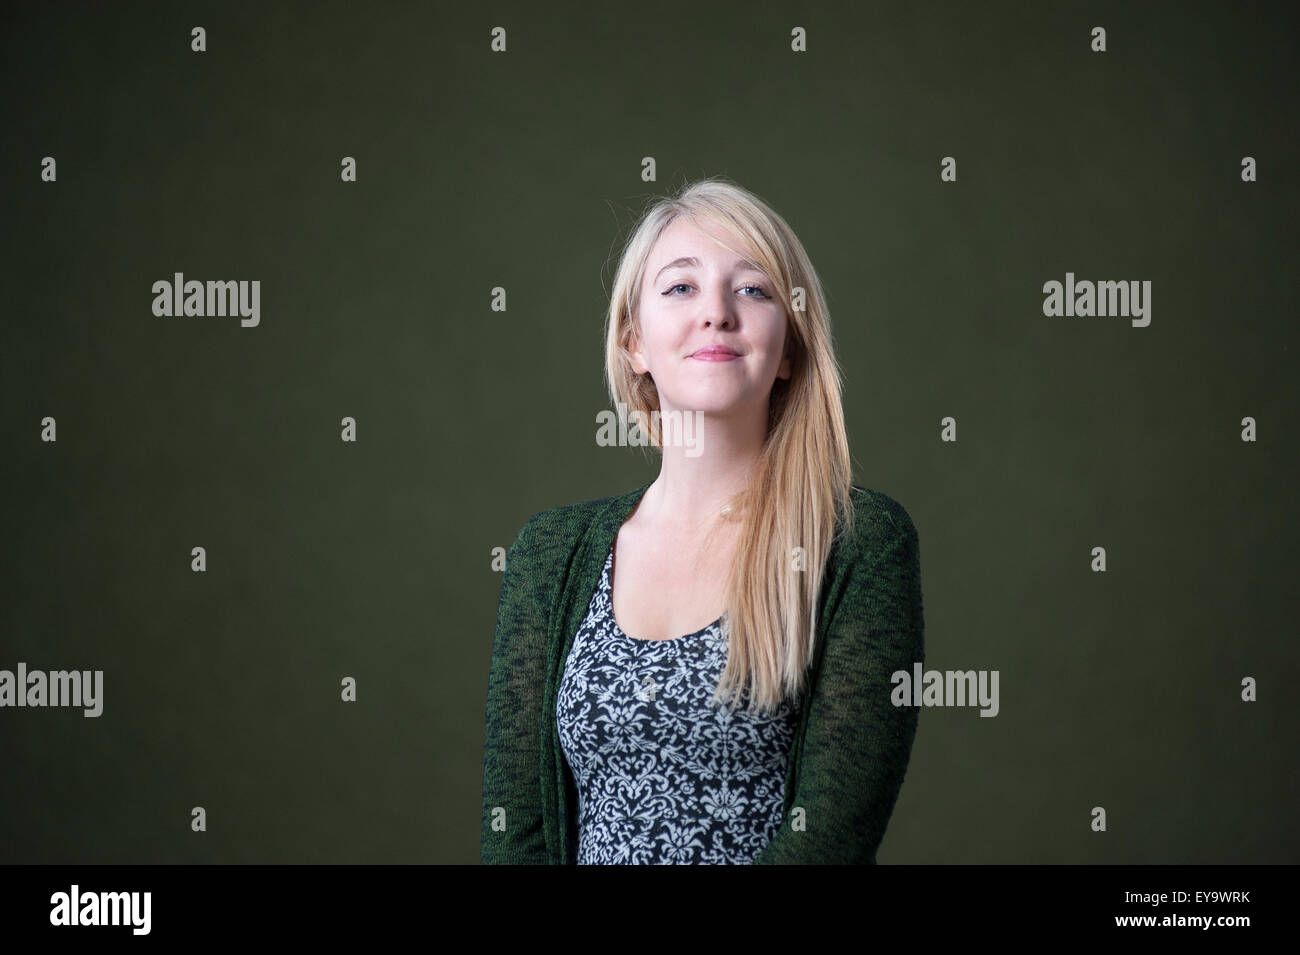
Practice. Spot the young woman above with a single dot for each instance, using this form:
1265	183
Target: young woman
699	671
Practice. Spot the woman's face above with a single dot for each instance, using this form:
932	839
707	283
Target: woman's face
712	299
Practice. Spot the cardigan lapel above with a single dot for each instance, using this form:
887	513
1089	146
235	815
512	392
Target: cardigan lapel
581	578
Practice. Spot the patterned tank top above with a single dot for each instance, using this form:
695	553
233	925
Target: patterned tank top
663	774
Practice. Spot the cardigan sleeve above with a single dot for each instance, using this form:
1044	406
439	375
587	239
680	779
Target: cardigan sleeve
512	831
857	742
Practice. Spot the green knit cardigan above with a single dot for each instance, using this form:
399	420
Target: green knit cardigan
850	749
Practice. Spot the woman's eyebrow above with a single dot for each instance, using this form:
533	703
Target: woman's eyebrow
690	260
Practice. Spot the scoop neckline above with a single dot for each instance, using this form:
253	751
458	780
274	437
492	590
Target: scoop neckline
609	576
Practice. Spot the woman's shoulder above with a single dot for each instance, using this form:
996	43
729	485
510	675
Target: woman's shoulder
877	568
565	523
879	520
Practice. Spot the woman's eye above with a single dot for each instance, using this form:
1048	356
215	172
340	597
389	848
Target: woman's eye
762	293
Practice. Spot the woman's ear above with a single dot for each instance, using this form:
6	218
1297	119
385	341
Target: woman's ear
634	354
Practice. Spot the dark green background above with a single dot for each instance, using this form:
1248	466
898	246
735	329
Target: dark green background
522	170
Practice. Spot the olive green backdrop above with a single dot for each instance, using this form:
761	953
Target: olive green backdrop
477	169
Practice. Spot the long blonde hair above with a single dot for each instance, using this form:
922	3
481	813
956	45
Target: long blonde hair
801	482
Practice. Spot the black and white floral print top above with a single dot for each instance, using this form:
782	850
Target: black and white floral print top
664	774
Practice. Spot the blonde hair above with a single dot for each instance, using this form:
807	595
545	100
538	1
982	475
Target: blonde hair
801	483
